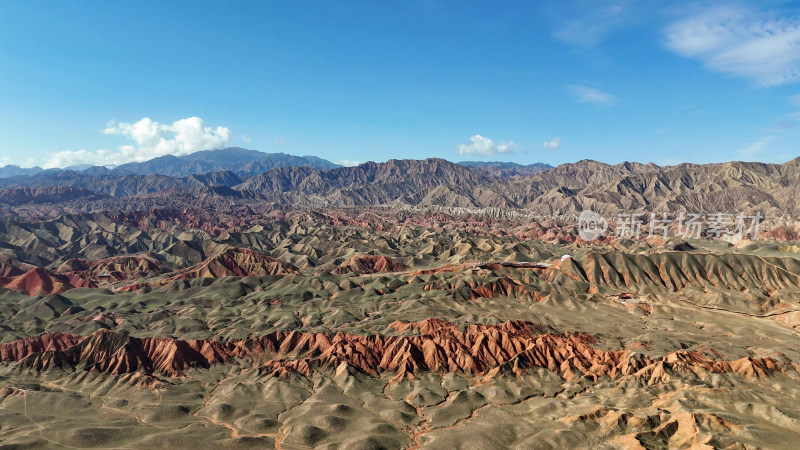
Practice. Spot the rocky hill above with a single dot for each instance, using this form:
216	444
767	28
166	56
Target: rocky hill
240	161
47	194
507	169
250	323
560	192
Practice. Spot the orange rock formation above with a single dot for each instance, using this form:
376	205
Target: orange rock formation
440	347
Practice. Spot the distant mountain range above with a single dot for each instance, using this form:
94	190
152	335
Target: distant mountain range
240	161
499	168
303	182
16	171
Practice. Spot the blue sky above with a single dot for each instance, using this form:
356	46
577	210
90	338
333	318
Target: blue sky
110	82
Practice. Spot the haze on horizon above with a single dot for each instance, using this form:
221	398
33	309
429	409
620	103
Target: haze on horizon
656	81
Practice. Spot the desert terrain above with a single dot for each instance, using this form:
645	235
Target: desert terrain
296	309
428	224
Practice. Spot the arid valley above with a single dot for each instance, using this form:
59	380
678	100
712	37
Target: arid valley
414	324
427	224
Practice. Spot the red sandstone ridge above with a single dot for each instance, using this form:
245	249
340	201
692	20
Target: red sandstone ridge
113	353
364	264
46	342
442	269
510	348
782	233
112	270
41	281
77	273
239	262
427	326
473	290
233	262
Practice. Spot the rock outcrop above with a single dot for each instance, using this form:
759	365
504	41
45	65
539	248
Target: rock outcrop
428	346
40	281
238	262
233	262
366	264
113	270
47	194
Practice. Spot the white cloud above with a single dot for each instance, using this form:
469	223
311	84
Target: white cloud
152	139
690	109
755	148
181	138
64	158
588	23
480	145
278	142
670	162
552	144
246	139
761	46
786	122
586	94
347	162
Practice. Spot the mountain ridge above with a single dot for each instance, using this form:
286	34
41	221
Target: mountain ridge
562	191
243	162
